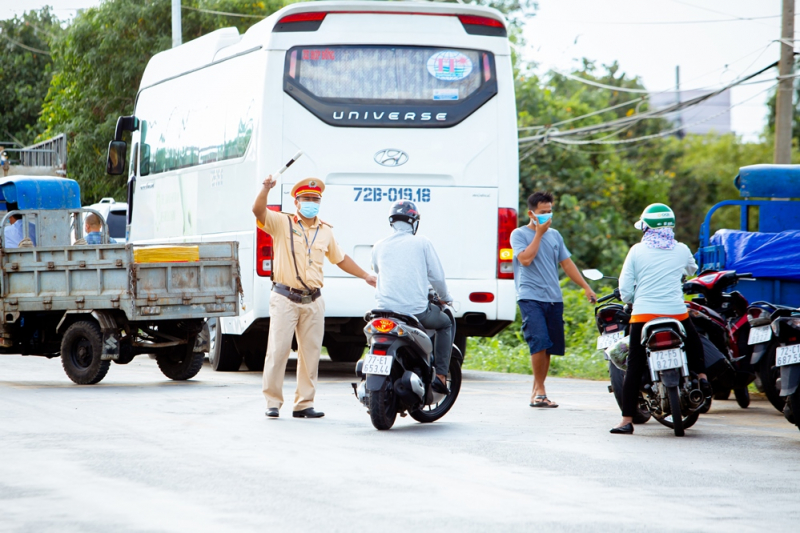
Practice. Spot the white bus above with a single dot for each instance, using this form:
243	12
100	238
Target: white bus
387	100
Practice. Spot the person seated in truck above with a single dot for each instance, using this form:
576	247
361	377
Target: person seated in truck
14	234
93	227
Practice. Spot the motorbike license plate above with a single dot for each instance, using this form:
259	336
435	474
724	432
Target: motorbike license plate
666	359
759	335
604	341
377	364
787	355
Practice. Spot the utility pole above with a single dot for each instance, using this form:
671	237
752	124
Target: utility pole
679	117
784	108
176	23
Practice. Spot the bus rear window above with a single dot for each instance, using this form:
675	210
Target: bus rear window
390	86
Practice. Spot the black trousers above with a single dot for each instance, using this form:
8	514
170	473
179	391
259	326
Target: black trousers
637	363
434	318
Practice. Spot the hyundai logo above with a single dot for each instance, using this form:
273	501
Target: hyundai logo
391	157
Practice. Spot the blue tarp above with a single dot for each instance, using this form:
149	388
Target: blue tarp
765	255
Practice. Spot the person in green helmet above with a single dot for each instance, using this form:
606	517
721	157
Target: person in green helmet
652	279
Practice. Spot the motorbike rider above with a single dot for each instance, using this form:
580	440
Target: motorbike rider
651	279
407	265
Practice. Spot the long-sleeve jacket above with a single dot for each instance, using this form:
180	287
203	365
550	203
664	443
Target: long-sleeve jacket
651	279
407	265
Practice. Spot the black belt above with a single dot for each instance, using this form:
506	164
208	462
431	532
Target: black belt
296	295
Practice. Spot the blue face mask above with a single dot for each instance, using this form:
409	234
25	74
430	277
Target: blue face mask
544	218
309	209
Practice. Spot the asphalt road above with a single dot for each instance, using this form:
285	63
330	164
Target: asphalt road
140	453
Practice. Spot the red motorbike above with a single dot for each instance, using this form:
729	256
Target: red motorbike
721	319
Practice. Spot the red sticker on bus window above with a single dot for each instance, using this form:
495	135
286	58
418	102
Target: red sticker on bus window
316	55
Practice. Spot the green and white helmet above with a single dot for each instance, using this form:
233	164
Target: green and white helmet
656	216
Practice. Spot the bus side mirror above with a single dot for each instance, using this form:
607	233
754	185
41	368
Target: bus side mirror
115	163
144	161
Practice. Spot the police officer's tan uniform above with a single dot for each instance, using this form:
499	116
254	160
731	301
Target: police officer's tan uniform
296	305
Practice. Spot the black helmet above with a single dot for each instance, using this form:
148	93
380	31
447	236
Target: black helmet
405	211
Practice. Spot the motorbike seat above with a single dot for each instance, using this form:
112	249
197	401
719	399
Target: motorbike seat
411	320
663	322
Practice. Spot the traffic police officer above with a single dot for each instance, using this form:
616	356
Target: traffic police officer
300	242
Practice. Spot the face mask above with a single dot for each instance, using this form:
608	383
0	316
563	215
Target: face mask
309	209
544	218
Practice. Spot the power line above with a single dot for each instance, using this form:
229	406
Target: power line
659	134
719	12
670	22
552	134
593	113
212	12
25	46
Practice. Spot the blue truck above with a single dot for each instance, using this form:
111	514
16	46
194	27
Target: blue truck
770	201
92	304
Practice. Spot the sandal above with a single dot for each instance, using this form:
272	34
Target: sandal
542	401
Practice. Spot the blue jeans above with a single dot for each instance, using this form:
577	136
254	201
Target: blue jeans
543	326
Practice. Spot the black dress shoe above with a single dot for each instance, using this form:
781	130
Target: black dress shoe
308	413
627	429
272	412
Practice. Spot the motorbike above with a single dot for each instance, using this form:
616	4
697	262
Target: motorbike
785	326
720	319
613	323
397	372
669	391
764	344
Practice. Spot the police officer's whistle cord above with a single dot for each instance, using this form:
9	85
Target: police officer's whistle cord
294	258
300	223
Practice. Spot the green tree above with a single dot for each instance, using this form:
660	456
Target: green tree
599	189
98	65
25	71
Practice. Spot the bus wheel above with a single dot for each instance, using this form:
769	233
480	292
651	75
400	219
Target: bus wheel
222	352
345	352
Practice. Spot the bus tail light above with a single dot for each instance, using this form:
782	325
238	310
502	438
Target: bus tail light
481	297
264	248
506	223
475	25
300	22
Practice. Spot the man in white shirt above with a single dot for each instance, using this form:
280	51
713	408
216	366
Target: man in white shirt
407	265
14	232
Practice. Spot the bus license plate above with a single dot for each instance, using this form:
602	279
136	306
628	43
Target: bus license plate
666	359
604	341
377	364
759	335
787	355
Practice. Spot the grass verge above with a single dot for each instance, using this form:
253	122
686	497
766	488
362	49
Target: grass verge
508	352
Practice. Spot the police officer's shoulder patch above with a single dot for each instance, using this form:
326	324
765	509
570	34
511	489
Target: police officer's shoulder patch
326	223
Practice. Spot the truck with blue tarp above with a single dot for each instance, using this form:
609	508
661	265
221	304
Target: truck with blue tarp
92	304
770	195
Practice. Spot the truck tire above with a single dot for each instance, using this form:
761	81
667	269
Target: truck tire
81	348
181	363
345	352
222	352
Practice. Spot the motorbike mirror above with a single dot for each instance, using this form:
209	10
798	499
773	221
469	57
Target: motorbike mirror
593	274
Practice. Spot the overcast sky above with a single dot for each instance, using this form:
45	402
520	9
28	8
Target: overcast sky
648	38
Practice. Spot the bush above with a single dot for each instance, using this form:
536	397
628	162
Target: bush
508	352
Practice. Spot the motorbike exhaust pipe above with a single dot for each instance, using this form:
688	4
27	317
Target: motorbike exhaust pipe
696	396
